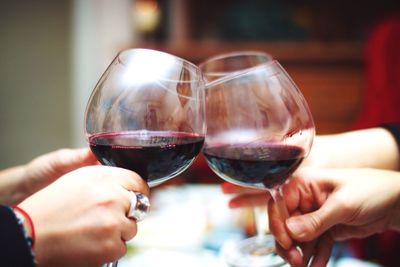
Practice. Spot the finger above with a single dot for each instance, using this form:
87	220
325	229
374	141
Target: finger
323	250
320	194
120	179
115	251
309	226
291	255
129	229
128	226
129	180
311	197
249	200
83	156
298	195
277	226
65	160
229	188
291	194
308	249
306	190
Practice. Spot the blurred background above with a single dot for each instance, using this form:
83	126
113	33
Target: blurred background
53	52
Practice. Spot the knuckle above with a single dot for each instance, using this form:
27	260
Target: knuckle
315	222
108	225
62	153
109	229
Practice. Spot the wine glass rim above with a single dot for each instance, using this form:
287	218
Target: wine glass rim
239	73
234	54
192	67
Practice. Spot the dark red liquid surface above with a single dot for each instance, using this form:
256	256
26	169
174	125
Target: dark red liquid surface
155	156
263	165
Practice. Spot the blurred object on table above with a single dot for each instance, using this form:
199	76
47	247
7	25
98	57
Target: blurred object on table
187	222
191	225
188	218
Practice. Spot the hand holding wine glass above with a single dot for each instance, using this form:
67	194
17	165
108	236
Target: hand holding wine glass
147	114
259	129
79	220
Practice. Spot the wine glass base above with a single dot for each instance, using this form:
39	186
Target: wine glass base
253	252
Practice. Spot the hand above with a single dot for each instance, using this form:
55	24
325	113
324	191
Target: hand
45	169
334	204
80	219
19	182
245	197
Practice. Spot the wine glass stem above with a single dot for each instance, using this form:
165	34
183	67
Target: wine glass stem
280	203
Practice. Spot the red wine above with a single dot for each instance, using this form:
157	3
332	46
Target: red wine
155	156
261	165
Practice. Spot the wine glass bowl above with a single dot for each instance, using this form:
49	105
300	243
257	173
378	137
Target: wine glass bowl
146	114
259	128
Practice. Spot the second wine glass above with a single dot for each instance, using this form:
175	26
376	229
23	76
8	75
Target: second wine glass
215	68
259	131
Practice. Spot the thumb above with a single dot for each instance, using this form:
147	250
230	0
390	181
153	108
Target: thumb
309	226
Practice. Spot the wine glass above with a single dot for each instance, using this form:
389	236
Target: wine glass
259	130
147	114
227	64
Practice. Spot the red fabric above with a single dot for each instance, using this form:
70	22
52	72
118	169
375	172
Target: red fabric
383	249
381	105
382	58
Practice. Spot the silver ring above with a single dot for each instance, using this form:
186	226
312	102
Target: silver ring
140	206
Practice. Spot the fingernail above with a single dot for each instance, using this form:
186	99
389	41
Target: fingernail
296	227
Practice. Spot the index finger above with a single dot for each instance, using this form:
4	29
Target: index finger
278	227
229	188
129	180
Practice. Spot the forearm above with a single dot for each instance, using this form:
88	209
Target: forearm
371	148
13	188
